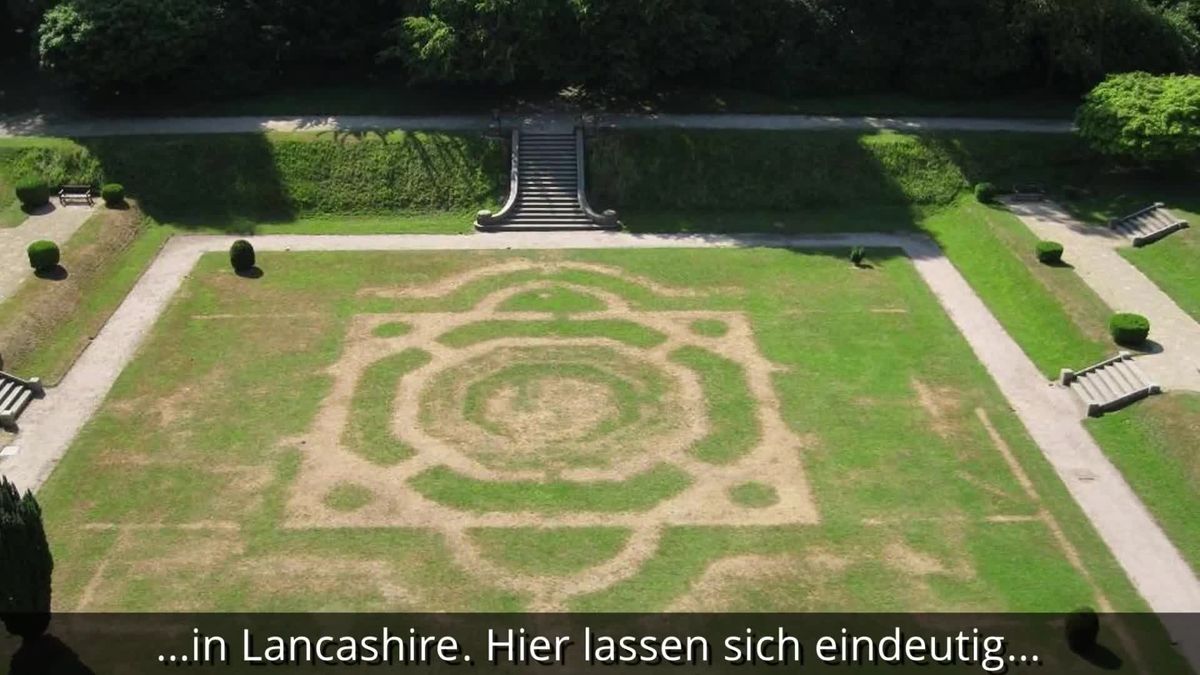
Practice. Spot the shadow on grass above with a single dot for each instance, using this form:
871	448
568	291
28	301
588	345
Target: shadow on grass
254	272
1100	656
56	273
227	182
44	655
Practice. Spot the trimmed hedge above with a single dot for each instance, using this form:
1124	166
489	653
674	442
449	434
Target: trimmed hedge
113	194
986	193
1049	252
33	192
241	256
1129	330
43	255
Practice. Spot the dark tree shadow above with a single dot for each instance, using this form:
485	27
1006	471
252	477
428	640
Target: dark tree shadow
1100	656
56	273
254	272
47	655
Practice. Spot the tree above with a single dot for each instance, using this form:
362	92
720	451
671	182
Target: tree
105	45
1143	117
26	563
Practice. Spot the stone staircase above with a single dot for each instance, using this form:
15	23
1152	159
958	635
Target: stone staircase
1148	225
15	395
547	189
1110	385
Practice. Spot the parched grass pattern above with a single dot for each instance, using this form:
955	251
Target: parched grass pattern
754	494
348	497
550	550
640	493
550	408
626	332
369	433
391	329
554	301
730	406
710	327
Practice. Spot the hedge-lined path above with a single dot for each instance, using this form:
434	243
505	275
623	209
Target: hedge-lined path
36	125
56	223
1152	562
1174	358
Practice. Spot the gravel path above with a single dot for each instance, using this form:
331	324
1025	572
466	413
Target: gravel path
39	126
1155	566
1174	362
56	223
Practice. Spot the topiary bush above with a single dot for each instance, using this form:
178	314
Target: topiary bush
1082	629
113	194
241	256
1129	329
33	192
43	255
1049	252
986	193
857	255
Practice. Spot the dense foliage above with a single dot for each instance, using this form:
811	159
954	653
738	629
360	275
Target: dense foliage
32	192
43	255
241	256
26	561
113	194
1129	330
1143	117
784	46
1049	252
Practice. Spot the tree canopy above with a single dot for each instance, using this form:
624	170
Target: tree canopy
26	561
943	47
1143	117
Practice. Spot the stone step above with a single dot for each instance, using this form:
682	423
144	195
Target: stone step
1111	385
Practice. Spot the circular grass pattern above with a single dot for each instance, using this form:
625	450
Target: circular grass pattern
348	497
553	301
552	408
391	329
754	495
710	328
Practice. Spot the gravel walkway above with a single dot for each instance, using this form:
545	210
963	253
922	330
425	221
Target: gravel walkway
1174	360
39	126
56	223
1148	557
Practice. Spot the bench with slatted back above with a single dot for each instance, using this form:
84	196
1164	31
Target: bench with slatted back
15	395
75	194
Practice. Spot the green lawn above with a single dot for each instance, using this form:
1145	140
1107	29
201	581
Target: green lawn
1154	445
888	474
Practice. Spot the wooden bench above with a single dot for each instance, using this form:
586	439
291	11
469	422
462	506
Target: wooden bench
75	194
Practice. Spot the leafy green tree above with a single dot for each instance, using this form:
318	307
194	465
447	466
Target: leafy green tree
26	563
1143	117
110	44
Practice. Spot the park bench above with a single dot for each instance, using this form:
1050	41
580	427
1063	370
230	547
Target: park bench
75	194
1028	192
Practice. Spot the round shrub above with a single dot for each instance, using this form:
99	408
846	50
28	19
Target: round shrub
241	256
43	255
1082	629
33	192
1049	252
113	194
986	193
1129	329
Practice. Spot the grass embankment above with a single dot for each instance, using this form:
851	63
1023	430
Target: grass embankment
246	182
47	323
